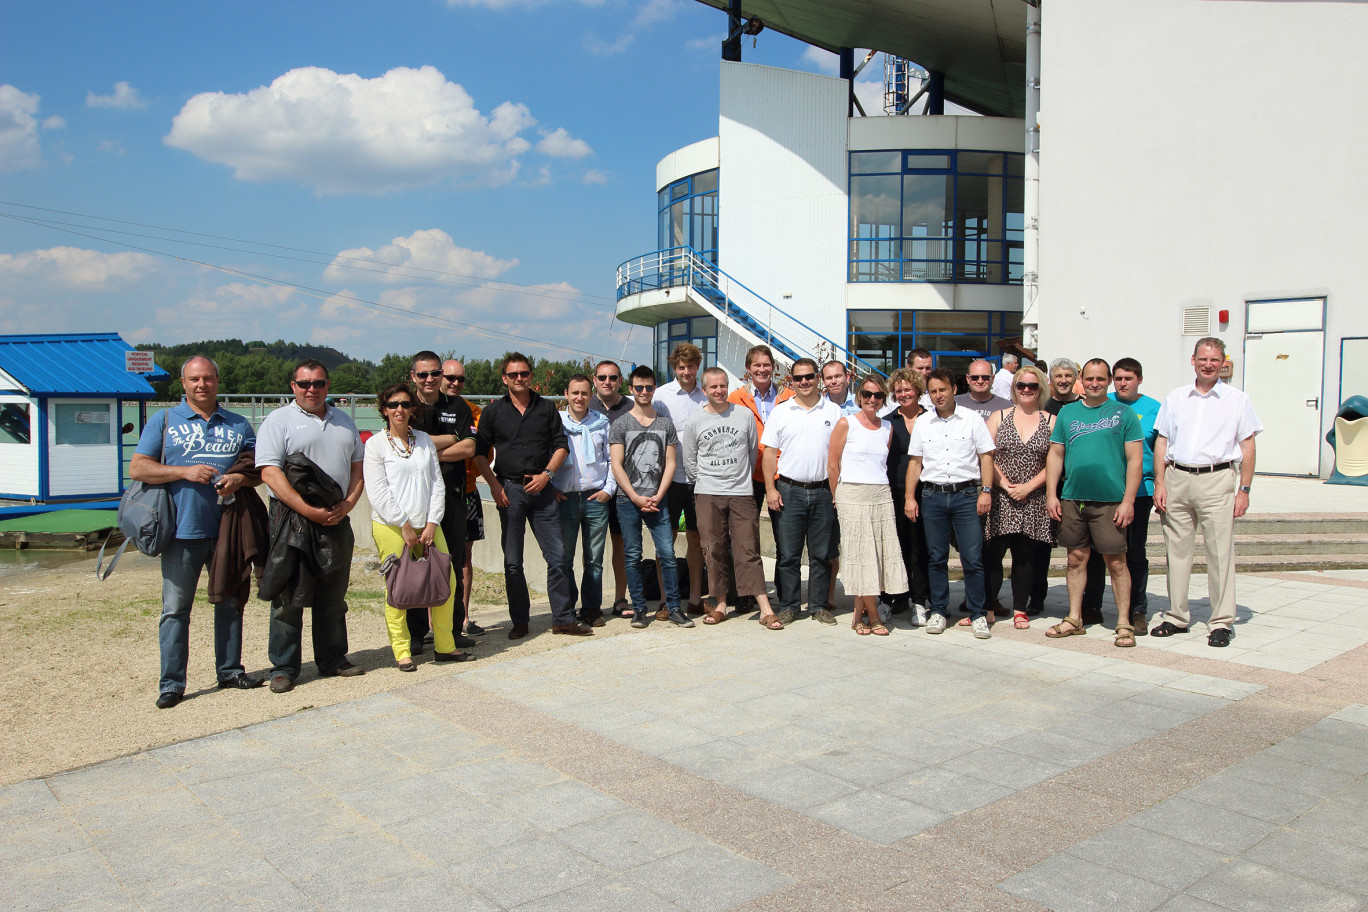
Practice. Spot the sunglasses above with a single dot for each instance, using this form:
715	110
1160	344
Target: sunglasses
1027	387
424	375
642	388
310	384
454	378
872	394
399	403
980	376
517	375
804	378
610	378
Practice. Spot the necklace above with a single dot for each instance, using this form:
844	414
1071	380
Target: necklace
405	448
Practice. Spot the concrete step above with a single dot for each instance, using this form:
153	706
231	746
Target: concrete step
1297	543
1301	523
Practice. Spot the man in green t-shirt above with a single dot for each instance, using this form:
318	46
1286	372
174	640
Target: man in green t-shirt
1097	445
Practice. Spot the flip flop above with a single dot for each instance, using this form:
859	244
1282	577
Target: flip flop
1020	621
879	630
407	665
965	622
714	616
862	629
769	622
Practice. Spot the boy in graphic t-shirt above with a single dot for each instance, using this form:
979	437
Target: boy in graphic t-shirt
642	444
1096	444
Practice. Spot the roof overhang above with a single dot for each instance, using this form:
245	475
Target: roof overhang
980	45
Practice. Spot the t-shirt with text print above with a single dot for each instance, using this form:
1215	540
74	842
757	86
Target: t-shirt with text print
1094	440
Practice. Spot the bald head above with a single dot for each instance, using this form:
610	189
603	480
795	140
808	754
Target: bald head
453	368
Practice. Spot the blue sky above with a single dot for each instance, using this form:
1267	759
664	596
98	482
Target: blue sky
508	146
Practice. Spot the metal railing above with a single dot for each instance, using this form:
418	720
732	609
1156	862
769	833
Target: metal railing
744	311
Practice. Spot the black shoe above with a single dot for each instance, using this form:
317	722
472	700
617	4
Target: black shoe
899	605
639	619
281	684
577	630
474	629
428	638
464	641
241	681
1166	630
344	670
1034	610
1219	637
517	631
453	657
680	619
169	699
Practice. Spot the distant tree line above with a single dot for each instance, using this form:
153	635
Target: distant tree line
261	367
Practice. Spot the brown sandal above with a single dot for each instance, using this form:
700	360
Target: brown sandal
1125	636
862	629
1075	628
714	616
879	630
770	622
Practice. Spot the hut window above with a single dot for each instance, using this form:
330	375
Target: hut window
83	423
14	422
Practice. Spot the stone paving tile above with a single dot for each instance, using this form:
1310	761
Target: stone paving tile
1253	799
1334	864
878	817
32	838
1202	825
499	776
1253	888
465	830
1290	774
248	884
117	780
525	871
31	798
628	839
326	870
606	895
1159	859
183	850
297	823
110	902
132	817
386	800
731	879
1069	884
427	889
47	883
559	805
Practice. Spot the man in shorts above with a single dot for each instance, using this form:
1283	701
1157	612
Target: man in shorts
1097	444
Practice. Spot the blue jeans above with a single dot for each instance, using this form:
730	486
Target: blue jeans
808	515
538	511
940	513
662	534
181	564
580	515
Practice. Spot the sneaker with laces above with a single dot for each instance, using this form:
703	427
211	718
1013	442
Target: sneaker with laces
823	616
680	619
981	631
919	614
935	623
639	619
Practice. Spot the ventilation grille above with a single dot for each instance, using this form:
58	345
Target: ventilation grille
1196	321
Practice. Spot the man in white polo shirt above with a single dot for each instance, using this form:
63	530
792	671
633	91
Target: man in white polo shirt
795	444
951	455
1206	434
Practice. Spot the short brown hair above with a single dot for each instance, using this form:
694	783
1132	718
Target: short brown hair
756	350
1209	342
312	364
514	358
685	353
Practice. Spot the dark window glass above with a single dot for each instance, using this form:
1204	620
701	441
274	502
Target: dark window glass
924	162
875	162
679	190
867	321
979	163
953	343
705	182
14	422
950	321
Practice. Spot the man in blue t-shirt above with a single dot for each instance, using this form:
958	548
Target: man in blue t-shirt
1096	445
190	448
1127	375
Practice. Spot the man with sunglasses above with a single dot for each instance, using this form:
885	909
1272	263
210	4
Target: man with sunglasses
525	433
327	436
453	384
447	420
795	441
609	402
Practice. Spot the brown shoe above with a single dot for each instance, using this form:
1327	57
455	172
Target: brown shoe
344	670
577	630
663	614
517	631
281	684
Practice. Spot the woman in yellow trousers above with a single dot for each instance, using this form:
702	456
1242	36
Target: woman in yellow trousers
406	493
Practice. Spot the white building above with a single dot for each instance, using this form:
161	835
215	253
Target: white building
1198	175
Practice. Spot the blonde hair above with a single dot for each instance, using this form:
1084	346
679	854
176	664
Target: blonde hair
1030	371
874	379
909	376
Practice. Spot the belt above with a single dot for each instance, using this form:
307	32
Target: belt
804	484
953	488
1201	470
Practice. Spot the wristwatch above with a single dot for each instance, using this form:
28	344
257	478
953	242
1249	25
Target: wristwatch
985	489
1244	489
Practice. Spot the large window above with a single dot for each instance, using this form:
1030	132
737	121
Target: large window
954	337
688	214
83	423
701	331
936	216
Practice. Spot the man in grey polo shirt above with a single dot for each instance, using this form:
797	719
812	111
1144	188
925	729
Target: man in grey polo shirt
327	436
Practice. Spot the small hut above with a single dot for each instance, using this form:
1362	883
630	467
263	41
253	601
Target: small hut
62	413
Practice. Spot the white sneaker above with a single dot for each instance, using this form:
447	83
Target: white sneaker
981	630
919	612
885	612
935	623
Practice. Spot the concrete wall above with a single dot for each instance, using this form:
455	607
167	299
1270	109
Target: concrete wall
1199	153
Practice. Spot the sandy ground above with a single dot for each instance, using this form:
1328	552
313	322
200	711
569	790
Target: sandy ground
79	663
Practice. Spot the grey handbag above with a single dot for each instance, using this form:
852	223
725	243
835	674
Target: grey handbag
147	518
417	582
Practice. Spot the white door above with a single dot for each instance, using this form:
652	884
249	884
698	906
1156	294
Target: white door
1282	376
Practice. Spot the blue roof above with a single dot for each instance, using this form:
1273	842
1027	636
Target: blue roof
74	364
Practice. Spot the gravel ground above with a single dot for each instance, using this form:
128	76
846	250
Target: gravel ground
79	663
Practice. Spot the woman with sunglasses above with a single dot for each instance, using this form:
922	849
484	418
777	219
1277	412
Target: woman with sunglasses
1018	520
857	470
909	386
408	499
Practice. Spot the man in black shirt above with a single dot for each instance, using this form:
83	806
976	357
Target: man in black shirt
528	439
609	401
447	419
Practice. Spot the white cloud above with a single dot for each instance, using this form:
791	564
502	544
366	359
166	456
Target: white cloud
54	123
706	43
653	11
594	176
822	61
596	45
541	180
74	267
19	147
560	144
342	133
111	147
124	96
423	254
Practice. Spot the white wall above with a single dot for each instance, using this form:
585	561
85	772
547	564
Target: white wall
19	463
1199	153
782	194
692	159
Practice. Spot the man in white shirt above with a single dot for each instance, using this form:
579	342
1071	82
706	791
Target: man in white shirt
795	444
584	486
921	361
677	400
1002	380
951	455
1205	431
836	382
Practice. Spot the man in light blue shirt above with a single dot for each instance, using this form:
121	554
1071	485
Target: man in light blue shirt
584	487
189	448
836	382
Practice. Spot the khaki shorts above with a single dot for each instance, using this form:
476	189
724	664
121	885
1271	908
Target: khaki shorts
1089	524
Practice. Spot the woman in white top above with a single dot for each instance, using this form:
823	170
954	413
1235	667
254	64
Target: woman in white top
407	498
857	470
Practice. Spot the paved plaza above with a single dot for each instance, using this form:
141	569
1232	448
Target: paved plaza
739	768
